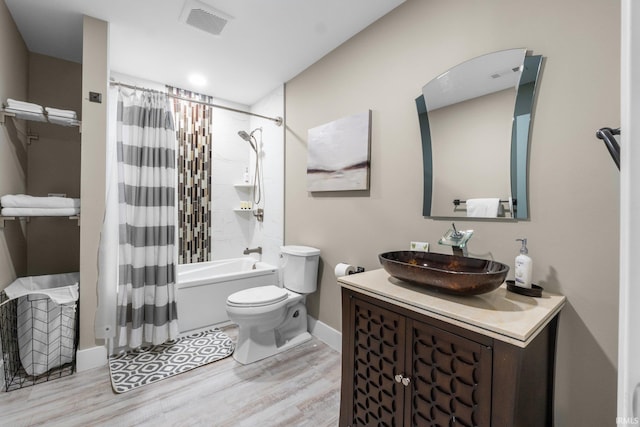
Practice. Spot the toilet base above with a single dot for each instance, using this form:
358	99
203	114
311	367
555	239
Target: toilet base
255	344
246	357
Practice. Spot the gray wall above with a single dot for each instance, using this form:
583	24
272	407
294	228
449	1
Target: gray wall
53	243
13	151
574	189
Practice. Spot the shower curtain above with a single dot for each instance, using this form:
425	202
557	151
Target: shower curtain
146	145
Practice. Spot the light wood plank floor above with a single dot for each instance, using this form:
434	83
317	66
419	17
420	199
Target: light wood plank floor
300	387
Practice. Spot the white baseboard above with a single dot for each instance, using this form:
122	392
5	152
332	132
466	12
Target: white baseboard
95	357
90	358
325	333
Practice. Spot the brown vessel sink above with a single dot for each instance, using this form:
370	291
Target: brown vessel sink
445	273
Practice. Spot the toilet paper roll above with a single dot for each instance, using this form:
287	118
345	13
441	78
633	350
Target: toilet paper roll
343	269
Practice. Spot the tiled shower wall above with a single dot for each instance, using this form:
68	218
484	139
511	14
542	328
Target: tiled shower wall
269	233
231	231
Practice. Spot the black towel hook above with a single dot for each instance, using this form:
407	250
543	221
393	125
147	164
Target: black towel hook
606	134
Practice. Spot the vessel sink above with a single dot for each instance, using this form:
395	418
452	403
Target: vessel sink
445	273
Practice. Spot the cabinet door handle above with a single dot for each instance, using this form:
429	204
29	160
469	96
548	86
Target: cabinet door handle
401	379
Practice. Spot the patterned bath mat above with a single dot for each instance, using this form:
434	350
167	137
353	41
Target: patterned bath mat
155	363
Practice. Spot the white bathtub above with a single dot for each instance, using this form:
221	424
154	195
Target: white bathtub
203	288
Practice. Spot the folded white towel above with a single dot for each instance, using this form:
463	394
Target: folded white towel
69	114
27	115
483	208
25	201
63	121
40	211
24	106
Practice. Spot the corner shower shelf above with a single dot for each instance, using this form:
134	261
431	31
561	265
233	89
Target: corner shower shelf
258	213
244	186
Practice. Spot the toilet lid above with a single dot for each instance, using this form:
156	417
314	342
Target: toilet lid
262	295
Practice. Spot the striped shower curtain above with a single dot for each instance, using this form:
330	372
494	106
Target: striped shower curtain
146	149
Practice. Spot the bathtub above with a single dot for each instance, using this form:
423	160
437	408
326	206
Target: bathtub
203	288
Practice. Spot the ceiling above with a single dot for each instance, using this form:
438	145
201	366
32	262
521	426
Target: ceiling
264	44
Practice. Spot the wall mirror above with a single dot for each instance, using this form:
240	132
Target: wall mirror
474	122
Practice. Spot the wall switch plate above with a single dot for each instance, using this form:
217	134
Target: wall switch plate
419	246
95	97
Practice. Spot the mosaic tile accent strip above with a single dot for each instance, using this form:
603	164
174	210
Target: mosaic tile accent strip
193	129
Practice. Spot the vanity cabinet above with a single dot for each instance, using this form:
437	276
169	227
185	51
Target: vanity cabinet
405	367
407	372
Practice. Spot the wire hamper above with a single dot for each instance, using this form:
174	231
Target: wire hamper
39	339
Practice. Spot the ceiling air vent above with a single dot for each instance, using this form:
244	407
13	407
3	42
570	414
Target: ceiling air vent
204	17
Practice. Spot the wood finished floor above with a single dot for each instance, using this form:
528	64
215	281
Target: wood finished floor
300	387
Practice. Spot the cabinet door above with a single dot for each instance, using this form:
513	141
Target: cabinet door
450	381
378	346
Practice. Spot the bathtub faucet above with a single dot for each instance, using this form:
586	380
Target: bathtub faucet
257	250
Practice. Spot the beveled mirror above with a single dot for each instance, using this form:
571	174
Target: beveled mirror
474	122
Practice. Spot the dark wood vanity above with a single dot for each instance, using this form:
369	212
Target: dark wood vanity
416	358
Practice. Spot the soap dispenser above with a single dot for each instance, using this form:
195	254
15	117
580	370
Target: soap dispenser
524	266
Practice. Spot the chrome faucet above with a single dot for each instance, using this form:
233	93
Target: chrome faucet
257	250
457	240
456	234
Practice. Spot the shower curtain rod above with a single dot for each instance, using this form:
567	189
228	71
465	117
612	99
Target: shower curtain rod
278	120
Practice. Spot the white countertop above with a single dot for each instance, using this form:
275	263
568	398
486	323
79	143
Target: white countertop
500	314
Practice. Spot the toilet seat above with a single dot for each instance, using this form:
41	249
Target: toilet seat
258	297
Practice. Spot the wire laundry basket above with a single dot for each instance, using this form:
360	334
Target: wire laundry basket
39	339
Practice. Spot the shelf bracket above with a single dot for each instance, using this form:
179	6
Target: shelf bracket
3	219
32	137
4	115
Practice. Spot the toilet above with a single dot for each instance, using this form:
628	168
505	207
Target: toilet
272	319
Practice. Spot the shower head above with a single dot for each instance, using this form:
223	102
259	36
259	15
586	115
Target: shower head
244	135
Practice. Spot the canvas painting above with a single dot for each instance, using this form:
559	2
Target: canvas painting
338	154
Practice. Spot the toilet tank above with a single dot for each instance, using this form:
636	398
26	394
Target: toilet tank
300	268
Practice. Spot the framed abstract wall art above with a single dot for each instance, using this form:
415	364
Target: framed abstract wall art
339	154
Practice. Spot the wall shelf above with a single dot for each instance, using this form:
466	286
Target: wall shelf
36	117
3	219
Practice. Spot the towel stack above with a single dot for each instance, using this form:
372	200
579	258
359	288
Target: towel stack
62	117
26	110
23	205
30	111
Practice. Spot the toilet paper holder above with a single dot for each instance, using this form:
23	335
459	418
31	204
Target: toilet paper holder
343	269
